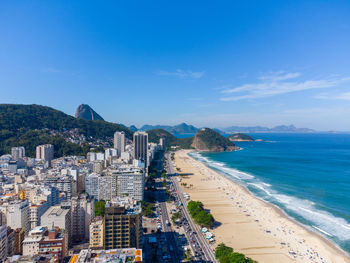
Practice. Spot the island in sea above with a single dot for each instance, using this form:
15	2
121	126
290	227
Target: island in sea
240	137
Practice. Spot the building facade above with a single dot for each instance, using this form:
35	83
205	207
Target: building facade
45	152
119	142
140	146
18	215
128	182
97	233
123	226
18	152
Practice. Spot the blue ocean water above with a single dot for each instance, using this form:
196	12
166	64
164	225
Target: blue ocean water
307	175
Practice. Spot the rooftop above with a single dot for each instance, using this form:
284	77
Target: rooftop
114	255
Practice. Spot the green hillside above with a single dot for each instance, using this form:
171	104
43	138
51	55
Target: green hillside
209	140
170	140
19	125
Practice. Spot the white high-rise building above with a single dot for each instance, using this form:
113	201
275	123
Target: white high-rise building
45	153
18	152
81	215
91	185
119	142
91	156
110	152
18	215
104	187
128	182
141	146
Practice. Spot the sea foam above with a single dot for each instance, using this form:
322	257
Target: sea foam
322	221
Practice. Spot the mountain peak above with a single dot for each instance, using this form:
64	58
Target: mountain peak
85	112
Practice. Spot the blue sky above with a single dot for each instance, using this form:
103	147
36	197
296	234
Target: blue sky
208	63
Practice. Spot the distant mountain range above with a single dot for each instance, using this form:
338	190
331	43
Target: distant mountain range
184	128
276	129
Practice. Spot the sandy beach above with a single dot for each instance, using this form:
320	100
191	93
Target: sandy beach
249	225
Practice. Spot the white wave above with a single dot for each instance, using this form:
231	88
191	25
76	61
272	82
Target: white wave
334	226
233	172
261	187
322	221
322	231
222	167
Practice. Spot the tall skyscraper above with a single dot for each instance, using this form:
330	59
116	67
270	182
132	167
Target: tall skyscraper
119	142
18	152
140	146
45	153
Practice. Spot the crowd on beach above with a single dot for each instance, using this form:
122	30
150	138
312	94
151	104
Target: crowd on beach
295	241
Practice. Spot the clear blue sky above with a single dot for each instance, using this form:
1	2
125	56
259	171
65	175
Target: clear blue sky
208	63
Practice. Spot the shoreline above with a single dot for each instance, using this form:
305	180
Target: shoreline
293	246
280	211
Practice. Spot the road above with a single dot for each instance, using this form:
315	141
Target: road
176	255
199	238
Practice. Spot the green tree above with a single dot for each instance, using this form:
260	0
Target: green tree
100	208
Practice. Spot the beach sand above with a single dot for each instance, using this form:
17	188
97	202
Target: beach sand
249	225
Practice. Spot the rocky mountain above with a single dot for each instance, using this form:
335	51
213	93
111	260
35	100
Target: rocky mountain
85	112
240	137
211	141
28	125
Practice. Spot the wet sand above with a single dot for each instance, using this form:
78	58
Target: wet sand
251	226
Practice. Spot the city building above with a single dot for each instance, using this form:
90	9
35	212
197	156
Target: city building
123	224
91	185
119	142
3	242
19	237
98	166
82	210
18	215
31	242
110	152
104	187
53	243
125	255
60	216
128	181
18	153
141	146
97	233
65	184
10	242
162	143
42	241
45	153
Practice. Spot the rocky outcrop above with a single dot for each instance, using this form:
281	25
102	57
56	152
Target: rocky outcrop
85	112
209	140
240	137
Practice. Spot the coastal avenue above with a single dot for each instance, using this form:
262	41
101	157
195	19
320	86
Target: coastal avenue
200	239
170	237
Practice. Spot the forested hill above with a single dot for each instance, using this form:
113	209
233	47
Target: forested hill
18	123
14	117
169	139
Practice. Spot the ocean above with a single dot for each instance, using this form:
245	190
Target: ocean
306	175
